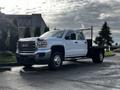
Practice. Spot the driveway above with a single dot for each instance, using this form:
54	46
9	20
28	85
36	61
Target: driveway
80	75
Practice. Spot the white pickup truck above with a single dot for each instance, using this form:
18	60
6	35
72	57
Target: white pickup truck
56	46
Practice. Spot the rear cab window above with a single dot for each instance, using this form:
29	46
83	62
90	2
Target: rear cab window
79	35
70	35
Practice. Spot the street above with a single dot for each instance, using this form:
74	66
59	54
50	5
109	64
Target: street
79	75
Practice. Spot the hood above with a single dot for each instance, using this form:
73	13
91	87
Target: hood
50	38
28	39
35	38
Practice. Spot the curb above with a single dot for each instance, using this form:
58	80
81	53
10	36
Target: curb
5	69
11	64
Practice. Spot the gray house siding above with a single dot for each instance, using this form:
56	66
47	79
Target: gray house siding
27	21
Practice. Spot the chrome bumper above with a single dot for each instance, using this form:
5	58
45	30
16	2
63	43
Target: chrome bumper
37	57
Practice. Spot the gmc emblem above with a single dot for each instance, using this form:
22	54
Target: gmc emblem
24	45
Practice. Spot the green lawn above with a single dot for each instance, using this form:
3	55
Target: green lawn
6	59
108	53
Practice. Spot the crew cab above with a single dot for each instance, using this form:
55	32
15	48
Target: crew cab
56	46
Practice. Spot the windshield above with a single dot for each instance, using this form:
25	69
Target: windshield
57	34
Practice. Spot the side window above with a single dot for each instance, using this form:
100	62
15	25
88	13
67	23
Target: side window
80	36
70	35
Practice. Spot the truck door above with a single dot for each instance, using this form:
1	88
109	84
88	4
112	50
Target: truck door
71	47
81	44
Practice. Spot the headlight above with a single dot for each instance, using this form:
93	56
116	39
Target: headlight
41	43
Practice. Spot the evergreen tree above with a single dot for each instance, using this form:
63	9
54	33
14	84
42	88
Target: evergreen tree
8	35
13	36
13	40
27	32
104	38
3	38
15	22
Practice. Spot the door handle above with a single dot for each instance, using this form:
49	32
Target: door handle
85	42
76	42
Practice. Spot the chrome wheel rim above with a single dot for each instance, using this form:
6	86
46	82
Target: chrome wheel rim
57	60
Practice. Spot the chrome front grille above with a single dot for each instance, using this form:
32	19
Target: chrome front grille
26	46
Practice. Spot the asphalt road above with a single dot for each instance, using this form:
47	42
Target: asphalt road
81	75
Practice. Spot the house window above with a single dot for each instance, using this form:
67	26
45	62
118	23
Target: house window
37	32
27	32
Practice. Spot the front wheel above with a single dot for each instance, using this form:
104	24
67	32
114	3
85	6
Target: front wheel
56	61
98	57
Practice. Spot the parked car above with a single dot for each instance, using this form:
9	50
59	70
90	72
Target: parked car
56	46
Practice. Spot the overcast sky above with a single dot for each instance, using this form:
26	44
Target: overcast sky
68	13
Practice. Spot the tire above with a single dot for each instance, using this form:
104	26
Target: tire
56	61
98	57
